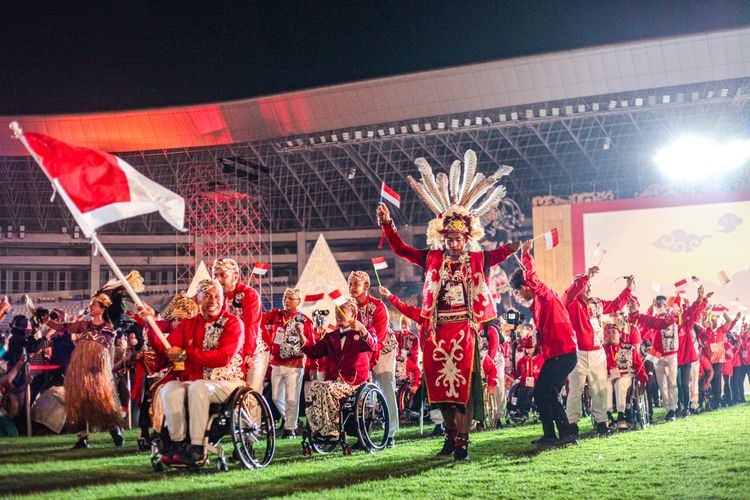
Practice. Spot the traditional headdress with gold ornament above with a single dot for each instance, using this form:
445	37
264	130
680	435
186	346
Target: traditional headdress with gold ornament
180	307
228	265
294	293
103	299
455	199
358	276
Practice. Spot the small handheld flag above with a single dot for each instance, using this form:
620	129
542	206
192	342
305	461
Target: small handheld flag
551	238
337	298
260	268
312	298
386	193
723	277
379	263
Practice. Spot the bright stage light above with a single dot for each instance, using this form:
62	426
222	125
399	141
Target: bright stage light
692	158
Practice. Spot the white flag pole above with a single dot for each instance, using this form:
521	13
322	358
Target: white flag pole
128	288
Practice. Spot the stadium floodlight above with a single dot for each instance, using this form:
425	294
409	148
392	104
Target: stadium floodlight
334	138
345	136
467	122
693	158
513	115
454	123
357	134
441	125
478	120
428	126
404	130
392	130
381	132
502	117
290	144
415	127
370	134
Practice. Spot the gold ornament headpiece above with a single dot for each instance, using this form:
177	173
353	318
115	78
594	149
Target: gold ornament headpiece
180	307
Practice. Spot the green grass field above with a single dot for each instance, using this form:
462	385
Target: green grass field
700	457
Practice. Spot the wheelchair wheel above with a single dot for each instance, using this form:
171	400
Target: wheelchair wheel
641	401
253	433
371	413
404	398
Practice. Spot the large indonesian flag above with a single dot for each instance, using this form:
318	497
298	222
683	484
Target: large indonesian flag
100	188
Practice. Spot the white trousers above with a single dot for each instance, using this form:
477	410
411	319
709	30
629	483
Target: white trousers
256	374
622	385
286	383
694	383
499	391
385	378
591	367
200	394
666	376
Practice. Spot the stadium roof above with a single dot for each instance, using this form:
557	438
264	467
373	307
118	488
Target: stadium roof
572	121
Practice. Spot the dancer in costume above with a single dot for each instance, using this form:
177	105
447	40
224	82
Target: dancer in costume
90	395
455	298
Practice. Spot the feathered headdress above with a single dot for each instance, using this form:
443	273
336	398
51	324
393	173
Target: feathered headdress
455	198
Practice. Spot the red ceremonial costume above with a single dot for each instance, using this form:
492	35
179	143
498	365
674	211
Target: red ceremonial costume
374	315
527	370
455	299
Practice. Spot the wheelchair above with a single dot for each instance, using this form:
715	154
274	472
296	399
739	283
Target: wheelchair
637	405
517	411
364	414
406	399
246	417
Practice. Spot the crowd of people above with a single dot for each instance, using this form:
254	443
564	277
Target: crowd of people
576	346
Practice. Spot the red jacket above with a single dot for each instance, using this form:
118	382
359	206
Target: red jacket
244	302
349	363
705	368
626	360
555	334
686	353
190	334
581	316
728	367
314	365
527	370
374	315
714	341
274	322
661	330
745	348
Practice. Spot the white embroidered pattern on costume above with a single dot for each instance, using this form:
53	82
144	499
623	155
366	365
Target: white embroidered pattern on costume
449	373
624	359
234	306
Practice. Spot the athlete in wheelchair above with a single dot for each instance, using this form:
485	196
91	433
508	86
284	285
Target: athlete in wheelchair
521	393
345	403
211	389
628	378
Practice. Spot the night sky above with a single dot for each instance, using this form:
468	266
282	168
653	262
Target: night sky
56	58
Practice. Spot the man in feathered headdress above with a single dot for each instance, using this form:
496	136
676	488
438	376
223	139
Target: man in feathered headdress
455	298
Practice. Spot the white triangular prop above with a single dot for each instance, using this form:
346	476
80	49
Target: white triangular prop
322	274
201	273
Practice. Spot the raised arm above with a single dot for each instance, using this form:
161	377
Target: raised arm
398	246
411	312
499	254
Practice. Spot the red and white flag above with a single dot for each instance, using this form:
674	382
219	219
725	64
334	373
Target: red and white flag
260	268
337	298
681	284
723	277
312	298
389	194
653	356
100	188
379	263
551	238
719	308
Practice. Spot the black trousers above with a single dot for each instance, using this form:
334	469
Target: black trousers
547	392
727	398
738	382
716	385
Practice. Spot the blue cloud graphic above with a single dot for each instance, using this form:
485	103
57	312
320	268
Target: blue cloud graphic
679	241
729	222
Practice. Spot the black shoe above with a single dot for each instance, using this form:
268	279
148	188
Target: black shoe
438	431
81	444
546	442
288	434
602	429
461	453
449	446
670	416
498	424
189	456
117	438
144	444
390	442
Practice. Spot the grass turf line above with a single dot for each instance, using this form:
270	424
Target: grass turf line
699	457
